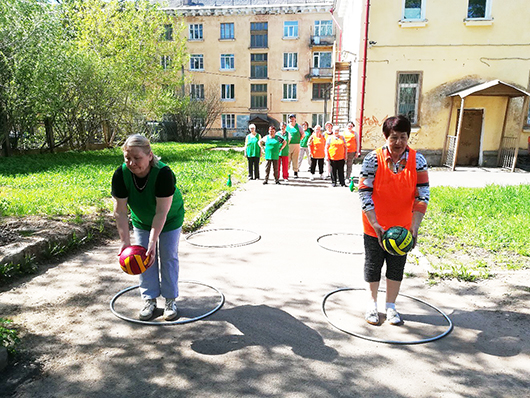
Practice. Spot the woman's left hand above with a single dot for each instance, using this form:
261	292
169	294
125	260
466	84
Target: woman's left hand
151	252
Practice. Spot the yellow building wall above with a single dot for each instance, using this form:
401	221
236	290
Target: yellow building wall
451	55
212	48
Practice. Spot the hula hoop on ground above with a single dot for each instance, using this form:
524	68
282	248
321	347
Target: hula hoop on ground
249	242
410	342
339	251
177	322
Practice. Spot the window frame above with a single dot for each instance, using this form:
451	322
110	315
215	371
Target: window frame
231	30
197	88
259	33
315	118
318	27
228	92
320	59
254	64
231	59
290	92
290	61
168	32
200	59
487	12
195	29
422	12
414	122
165	62
230	118
320	89
258	94
290	30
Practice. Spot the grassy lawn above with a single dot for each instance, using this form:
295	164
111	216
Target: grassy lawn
470	233
78	183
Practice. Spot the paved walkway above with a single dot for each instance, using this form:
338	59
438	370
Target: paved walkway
271	339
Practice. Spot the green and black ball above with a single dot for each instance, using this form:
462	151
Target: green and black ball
397	241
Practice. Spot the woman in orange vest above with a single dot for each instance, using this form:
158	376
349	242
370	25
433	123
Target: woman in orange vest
336	153
317	144
394	190
352	141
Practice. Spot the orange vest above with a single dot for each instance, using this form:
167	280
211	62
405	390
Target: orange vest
336	148
393	194
351	141
317	147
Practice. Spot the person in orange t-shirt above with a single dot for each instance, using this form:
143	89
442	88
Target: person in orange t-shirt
317	144
394	190
336	153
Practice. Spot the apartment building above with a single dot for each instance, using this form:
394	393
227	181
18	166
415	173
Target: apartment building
265	59
459	69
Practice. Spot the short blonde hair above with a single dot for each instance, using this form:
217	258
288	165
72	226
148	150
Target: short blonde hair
139	141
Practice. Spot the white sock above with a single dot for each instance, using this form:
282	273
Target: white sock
390	305
372	305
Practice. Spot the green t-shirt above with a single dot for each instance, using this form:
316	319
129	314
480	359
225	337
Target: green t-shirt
285	150
295	133
303	141
253	149
272	147
143	204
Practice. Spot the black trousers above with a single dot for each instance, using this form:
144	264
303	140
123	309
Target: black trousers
337	171
314	165
374	258
253	167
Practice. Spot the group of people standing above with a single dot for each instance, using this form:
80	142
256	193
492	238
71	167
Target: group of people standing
287	148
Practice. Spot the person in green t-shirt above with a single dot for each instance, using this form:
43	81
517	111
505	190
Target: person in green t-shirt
297	134
284	154
252	152
272	144
146	187
304	150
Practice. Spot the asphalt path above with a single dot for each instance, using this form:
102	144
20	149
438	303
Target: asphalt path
271	338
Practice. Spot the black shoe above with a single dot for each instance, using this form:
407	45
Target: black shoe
278	182
296	174
265	182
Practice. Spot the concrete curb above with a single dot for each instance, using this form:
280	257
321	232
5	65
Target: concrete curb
206	212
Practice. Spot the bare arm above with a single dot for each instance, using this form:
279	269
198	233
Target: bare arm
121	215
162	209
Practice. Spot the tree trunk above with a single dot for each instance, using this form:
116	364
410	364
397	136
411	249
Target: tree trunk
4	133
49	133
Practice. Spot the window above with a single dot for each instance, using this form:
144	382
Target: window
228	121
322	59
478	9
168	32
318	118
321	91
323	28
289	92
196	31
227	31
413	10
290	60
408	96
197	92
258	66
228	92
196	62
258	96
165	62
227	62
258	34
290	29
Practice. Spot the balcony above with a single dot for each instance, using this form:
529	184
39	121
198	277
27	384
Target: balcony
322	41
326	73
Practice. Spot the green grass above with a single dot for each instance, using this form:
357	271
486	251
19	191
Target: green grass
472	231
78	183
8	336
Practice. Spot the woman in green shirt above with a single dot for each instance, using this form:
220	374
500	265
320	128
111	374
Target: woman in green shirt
253	152
272	144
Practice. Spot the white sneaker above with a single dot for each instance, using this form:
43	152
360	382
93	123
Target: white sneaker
393	317
321	176
171	310
312	178
372	316
147	311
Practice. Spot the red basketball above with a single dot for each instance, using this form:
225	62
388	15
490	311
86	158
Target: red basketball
133	260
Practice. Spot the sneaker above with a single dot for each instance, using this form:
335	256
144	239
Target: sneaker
171	310
147	311
321	176
334	184
265	182
393	317
278	182
296	174
312	178
372	316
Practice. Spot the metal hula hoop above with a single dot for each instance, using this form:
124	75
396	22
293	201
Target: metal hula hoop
177	322
338	251
223	246
449	329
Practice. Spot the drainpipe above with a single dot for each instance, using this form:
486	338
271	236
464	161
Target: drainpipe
339	56
363	83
